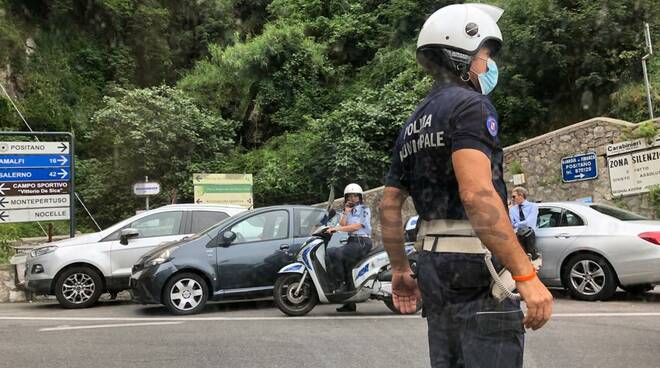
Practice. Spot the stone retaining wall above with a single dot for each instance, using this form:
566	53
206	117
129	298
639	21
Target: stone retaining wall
8	290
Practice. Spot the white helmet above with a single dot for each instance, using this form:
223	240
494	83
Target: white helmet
462	27
353	188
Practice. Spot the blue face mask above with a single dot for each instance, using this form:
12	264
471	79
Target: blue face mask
488	80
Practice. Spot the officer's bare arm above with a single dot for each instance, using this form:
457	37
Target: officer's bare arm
392	227
486	211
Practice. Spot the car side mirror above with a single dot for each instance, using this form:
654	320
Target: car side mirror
126	234
227	238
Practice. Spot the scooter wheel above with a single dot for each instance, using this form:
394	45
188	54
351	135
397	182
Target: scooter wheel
290	302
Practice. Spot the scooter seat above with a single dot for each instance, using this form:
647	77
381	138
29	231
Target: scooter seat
375	250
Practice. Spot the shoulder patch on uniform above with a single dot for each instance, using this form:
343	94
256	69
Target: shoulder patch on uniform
491	124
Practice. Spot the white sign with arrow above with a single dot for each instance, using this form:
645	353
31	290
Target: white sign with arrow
8	203
33	148
34	214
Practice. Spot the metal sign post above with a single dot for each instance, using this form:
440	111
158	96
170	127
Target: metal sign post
649	47
37	179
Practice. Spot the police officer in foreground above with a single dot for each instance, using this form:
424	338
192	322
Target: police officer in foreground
356	220
449	160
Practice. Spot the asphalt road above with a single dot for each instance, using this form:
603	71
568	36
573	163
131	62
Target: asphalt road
622	332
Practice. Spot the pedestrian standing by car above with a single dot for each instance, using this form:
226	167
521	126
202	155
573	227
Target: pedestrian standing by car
523	212
448	157
356	220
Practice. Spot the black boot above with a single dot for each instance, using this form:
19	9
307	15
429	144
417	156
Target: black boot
348	307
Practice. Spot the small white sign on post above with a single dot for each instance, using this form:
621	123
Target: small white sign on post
146	189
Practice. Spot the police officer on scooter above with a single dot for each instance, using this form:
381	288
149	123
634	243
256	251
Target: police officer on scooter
448	158
356	220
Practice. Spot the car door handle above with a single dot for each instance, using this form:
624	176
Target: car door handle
284	247
563	235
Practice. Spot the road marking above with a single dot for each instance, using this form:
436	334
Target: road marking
192	319
65	328
282	318
625	314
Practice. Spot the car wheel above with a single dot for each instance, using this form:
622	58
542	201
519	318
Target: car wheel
78	287
185	293
290	302
588	276
638	289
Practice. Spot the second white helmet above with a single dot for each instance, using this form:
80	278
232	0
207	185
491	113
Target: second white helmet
353	188
462	27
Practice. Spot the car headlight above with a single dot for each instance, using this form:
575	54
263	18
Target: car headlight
160	258
43	250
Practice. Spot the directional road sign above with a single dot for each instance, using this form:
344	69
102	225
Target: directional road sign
33	188
34	174
29	161
579	167
36	181
34	214
33	148
233	189
10	203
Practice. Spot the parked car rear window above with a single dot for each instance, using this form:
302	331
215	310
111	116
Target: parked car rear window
618	213
202	220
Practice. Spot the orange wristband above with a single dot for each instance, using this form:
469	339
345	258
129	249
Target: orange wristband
525	277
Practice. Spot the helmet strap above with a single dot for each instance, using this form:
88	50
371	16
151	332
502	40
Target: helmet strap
465	76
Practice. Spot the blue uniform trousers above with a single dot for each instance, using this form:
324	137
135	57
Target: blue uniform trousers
343	259
466	326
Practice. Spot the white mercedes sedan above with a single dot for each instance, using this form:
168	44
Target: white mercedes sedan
591	248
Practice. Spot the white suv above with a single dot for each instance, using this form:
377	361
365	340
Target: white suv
78	270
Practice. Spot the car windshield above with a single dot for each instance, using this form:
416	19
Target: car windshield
215	226
617	213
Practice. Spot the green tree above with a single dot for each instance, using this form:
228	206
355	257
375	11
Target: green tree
562	59
258	80
157	132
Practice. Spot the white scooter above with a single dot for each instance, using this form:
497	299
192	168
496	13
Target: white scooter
303	284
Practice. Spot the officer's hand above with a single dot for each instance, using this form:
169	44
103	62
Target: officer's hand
405	292
331	230
538	300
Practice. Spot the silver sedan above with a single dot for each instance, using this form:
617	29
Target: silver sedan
591	248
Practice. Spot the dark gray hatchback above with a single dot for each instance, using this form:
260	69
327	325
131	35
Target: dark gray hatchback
235	259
